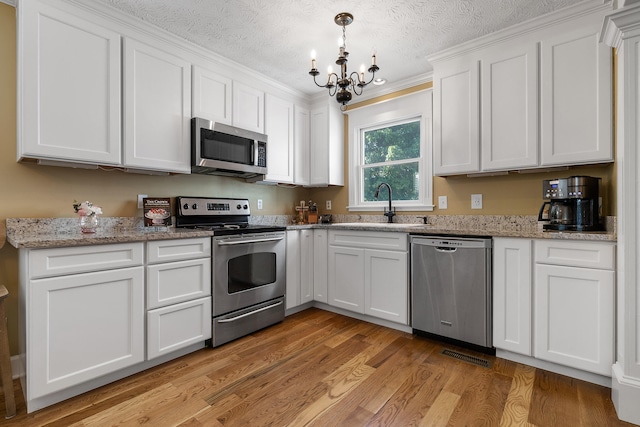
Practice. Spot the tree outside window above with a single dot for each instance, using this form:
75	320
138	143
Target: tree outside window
391	155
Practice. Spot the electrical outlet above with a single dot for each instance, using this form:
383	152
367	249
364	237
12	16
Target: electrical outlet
476	201
328	205
140	197
442	202
259	203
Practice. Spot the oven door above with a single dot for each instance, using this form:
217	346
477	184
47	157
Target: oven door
248	269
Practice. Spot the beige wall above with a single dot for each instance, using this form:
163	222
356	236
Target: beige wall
28	190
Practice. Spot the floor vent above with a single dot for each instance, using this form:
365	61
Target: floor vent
478	361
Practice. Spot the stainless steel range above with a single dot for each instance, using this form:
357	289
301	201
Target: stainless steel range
248	265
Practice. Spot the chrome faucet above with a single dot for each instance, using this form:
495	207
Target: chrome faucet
390	213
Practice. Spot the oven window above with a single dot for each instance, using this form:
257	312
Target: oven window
251	271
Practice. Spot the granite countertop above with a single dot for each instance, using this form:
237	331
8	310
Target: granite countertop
62	232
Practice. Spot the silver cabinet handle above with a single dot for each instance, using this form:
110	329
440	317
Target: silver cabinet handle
251	313
246	242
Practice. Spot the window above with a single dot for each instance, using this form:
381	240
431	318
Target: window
391	142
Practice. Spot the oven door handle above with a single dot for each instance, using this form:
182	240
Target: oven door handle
251	313
246	242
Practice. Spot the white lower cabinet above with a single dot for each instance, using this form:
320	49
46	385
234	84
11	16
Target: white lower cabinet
320	265
178	294
306	267
512	288
554	300
81	314
368	273
574	304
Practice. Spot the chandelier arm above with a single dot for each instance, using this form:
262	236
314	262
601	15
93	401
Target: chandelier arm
329	80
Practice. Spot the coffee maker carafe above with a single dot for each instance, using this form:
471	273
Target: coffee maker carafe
573	204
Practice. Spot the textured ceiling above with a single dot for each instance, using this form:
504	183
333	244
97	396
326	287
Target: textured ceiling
275	37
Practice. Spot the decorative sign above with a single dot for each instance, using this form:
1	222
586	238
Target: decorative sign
157	211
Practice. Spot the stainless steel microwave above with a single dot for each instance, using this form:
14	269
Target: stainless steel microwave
219	149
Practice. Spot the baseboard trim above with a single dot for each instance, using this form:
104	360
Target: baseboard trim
625	394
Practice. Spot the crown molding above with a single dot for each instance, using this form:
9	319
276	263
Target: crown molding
621	24
9	2
553	18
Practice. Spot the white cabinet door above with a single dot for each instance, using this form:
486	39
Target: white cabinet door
320	265
576	98
212	94
346	278
279	129
509	90
177	326
386	285
293	269
83	326
512	275
248	108
456	117
69	87
574	314
326	146
301	146
157	109
306	266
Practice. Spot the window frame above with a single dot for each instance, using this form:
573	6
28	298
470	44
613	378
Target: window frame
398	110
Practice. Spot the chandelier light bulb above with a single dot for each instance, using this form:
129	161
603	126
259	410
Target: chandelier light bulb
313	59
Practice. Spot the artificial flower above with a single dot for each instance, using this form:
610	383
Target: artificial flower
86	208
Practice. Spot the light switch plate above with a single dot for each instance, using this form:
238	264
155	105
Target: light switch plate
442	202
476	201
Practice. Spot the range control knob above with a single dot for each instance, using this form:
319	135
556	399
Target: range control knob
194	206
238	207
185	206
245	207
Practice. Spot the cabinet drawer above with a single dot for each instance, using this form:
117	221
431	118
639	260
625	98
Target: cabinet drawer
576	254
82	259
175	282
178	249
369	239
177	326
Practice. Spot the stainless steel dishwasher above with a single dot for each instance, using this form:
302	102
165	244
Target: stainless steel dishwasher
451	289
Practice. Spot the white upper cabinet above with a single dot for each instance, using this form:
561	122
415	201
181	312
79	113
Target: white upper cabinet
69	87
576	97
212	94
248	107
456	118
279	129
326	152
157	109
530	96
509	87
302	119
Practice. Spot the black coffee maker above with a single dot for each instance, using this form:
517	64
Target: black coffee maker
574	204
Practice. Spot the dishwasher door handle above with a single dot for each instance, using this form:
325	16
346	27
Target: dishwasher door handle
446	250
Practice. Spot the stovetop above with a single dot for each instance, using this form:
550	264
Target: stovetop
223	216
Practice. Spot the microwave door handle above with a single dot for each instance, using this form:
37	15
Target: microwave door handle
246	242
254	152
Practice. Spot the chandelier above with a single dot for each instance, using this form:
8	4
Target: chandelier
342	85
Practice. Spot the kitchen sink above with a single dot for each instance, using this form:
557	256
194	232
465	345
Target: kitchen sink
377	224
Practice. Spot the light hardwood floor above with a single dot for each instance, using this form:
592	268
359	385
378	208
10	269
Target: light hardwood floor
322	369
